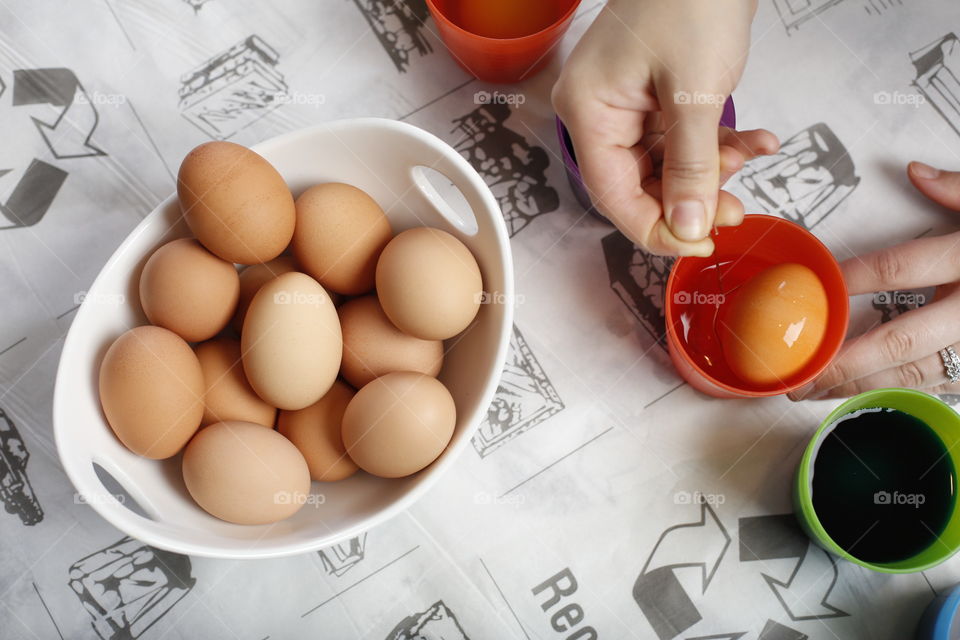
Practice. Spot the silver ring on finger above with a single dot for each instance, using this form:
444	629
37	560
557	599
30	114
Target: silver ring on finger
951	362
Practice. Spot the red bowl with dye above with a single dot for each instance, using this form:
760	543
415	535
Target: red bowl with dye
502	41
760	242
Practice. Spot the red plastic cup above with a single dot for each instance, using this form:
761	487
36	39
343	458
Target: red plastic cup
765	241
502	41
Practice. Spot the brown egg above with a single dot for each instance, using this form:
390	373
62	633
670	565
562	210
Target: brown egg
398	424
254	277
243	473
151	391
339	235
372	346
187	289
429	283
227	394
316	433
291	342
235	202
774	324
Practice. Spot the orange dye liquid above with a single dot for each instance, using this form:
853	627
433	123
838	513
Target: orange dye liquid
699	307
504	18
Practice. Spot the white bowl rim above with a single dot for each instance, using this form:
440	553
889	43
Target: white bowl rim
134	528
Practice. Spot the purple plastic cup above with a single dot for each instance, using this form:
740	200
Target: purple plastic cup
728	119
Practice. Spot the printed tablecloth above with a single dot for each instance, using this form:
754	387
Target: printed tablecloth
602	498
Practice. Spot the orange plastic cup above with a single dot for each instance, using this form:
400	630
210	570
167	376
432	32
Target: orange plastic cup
502	41
764	240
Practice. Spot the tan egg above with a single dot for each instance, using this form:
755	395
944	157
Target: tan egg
774	324
227	394
291	342
429	283
316	433
235	202
187	289
151	391
254	277
243	473
339	235
398	424
372	346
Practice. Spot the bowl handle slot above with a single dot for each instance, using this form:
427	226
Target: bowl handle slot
448	182
115	491
118	491
446	197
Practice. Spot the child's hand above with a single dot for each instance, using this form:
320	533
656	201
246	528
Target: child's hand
905	351
642	95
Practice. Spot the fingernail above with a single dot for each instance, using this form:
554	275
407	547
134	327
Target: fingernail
924	171
688	220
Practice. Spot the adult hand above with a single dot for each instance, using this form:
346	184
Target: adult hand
903	352
642	95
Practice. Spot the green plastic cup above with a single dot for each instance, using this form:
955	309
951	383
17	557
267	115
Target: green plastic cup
940	417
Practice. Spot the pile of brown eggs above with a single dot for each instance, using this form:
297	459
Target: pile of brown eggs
302	366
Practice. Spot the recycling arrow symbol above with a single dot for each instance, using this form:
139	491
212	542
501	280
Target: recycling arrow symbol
67	137
805	593
815	573
657	590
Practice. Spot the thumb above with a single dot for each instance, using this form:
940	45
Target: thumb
691	165
943	187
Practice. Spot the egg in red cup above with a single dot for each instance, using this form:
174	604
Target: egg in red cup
762	316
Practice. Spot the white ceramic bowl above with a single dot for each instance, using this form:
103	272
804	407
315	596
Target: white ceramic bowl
384	158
